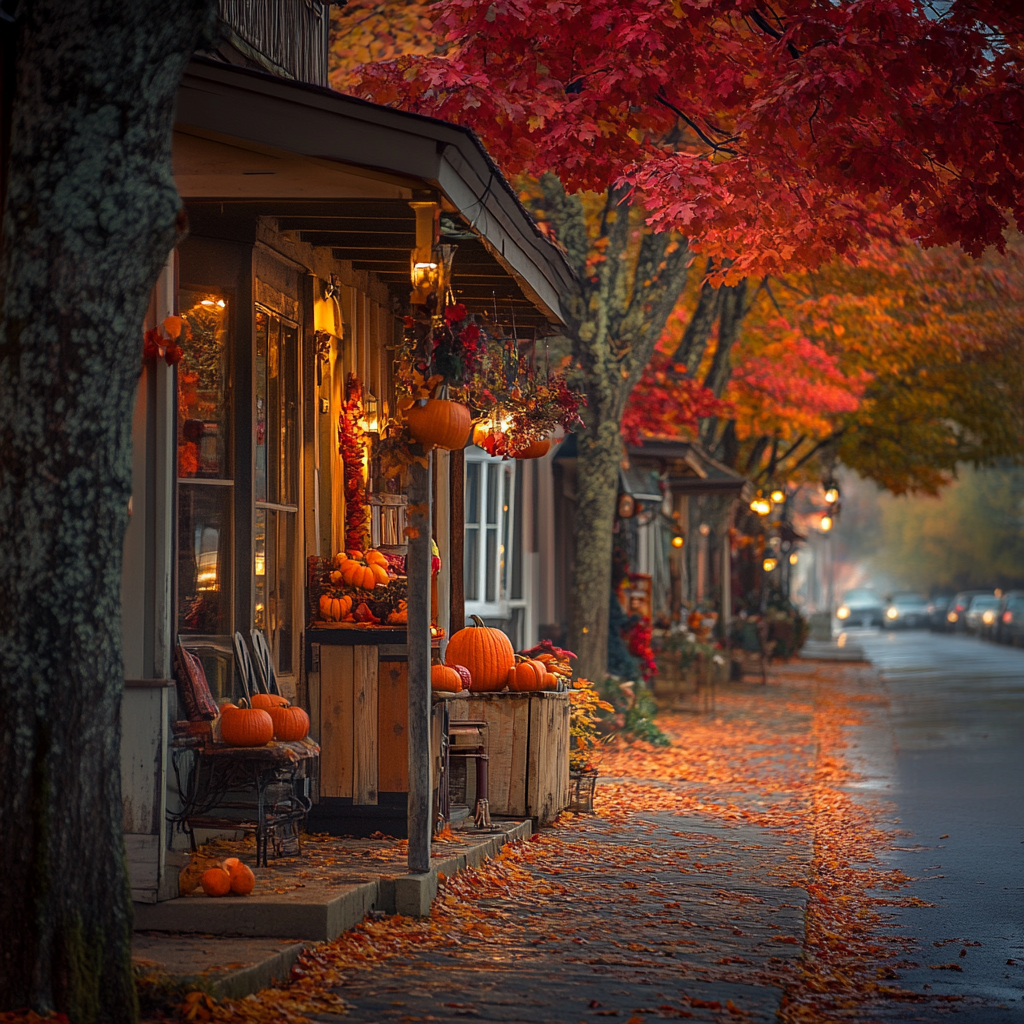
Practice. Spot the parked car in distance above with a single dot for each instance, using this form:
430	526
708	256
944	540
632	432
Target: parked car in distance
936	610
1010	623
982	614
956	614
906	611
861	607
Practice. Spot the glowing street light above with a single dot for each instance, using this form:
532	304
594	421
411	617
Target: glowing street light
762	506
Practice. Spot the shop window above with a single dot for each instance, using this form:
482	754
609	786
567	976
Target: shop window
205	485
276	446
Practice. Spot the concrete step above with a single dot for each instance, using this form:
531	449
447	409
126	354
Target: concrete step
321	910
227	968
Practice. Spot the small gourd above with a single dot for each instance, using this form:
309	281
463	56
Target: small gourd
442	677
467	678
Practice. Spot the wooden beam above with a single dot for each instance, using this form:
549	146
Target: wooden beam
457	541
417	570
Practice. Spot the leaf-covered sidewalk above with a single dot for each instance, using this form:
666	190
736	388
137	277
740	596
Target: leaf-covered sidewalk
730	876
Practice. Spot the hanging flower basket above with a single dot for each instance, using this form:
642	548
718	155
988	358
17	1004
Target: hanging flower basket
439	423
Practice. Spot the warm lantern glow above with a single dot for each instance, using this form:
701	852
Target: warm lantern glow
762	506
769	564
826	523
678	541
794	558
778	496
832	494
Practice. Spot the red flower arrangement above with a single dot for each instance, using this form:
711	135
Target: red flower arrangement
157	345
353	454
640	637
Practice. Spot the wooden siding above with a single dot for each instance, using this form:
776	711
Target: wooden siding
291	34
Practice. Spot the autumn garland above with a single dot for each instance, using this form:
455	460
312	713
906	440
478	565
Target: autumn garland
352	448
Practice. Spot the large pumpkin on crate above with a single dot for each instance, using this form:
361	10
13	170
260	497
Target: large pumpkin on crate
242	726
439	422
486	652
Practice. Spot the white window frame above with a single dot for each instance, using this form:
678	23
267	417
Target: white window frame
502	605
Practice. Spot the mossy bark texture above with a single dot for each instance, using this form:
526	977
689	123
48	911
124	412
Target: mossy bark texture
90	216
628	282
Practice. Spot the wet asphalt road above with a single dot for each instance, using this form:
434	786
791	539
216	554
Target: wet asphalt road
953	764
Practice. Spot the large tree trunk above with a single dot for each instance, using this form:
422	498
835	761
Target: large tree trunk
615	318
91	215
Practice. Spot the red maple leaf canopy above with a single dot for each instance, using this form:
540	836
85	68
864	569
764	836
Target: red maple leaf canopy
773	136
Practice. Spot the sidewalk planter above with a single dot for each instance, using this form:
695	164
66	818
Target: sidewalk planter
528	749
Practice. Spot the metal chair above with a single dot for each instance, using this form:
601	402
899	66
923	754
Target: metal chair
264	662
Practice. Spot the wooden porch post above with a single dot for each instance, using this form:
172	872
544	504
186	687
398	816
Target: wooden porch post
457	535
417	570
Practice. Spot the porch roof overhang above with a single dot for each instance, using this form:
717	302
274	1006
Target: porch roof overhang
340	172
690	469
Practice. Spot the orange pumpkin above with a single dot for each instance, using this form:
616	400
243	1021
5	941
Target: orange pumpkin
357	573
550	681
486	652
376	558
242	879
245	726
215	882
266	701
440	423
334	609
527	676
537	450
444	678
380	574
290	723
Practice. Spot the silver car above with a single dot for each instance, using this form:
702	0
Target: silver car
861	607
907	611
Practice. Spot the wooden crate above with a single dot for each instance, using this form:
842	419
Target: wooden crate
359	713
528	747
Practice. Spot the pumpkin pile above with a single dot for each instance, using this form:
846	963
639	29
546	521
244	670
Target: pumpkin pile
361	570
268	717
529	675
230	876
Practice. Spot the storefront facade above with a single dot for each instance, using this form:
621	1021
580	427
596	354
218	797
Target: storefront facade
292	283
